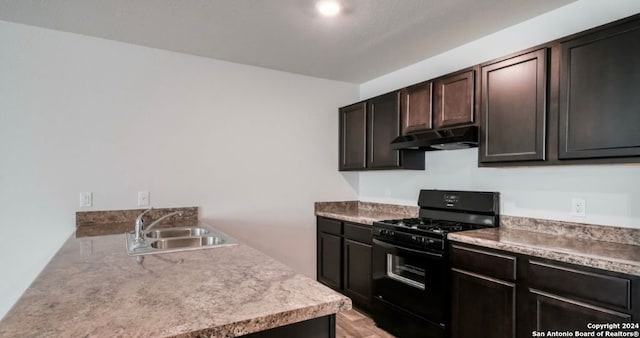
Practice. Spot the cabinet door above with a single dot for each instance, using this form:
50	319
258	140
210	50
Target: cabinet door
455	99
599	101
483	307
555	313
384	126
353	137
416	107
514	109
357	272
329	260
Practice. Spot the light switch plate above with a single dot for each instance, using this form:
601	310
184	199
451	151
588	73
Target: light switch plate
86	199
578	207
143	198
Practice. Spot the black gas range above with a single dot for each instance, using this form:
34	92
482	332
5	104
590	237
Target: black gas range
411	286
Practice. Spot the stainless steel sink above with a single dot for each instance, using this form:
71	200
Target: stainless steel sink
187	242
177	239
177	232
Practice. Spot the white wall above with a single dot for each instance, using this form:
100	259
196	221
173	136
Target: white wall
254	148
612	192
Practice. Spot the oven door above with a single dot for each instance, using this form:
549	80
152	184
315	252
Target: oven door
411	280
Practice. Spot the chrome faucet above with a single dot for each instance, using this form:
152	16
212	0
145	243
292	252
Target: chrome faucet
140	229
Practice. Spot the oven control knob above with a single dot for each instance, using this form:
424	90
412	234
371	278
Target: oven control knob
391	233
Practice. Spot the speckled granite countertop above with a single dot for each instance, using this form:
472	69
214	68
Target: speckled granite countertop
91	288
364	212
602	247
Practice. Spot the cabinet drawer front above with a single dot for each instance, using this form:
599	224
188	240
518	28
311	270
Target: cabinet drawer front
360	233
330	226
585	285
484	262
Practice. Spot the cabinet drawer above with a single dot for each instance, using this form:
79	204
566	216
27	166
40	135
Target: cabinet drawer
330	226
484	262
588	286
360	233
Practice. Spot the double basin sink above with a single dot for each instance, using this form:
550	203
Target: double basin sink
177	239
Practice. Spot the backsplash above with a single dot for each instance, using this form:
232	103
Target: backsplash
570	229
107	222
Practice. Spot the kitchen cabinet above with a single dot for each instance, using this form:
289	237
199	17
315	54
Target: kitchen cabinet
357	276
599	110
366	132
569	101
345	263
444	102
566	298
514	108
455	99
383	116
329	253
483	283
322	327
416	106
523	294
353	137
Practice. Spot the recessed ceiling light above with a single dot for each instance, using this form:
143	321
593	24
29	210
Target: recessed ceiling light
328	8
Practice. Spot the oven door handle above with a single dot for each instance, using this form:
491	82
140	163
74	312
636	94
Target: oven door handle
395	247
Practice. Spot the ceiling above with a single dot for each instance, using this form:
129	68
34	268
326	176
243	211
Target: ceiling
371	37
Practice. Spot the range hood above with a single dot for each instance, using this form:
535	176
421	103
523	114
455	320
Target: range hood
439	139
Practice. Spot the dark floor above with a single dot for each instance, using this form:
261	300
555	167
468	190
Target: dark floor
356	324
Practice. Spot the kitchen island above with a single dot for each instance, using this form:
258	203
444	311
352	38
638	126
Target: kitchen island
91	288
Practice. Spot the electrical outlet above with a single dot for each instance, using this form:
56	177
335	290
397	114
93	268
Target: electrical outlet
578	207
143	198
86	199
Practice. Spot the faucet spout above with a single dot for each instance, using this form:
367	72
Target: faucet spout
154	223
140	230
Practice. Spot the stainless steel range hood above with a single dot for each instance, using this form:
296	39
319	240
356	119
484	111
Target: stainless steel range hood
439	139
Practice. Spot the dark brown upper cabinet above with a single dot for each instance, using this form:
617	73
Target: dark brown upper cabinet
514	108
455	99
416	106
383	115
353	137
366	132
569	101
599	110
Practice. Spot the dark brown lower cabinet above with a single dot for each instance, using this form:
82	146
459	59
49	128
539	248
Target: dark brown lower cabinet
321	327
556	313
357	272
483	288
330	260
498	294
483	307
344	259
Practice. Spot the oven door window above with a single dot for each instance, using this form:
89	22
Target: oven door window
406	271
